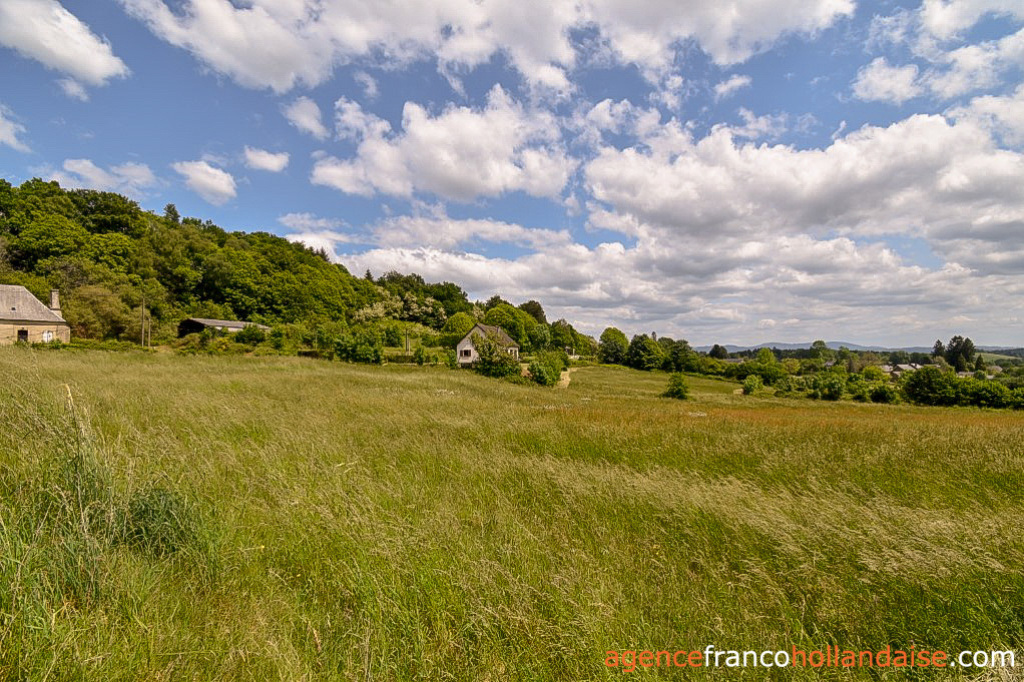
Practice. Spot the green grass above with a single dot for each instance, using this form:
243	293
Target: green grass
332	521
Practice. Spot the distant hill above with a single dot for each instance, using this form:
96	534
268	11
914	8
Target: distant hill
836	345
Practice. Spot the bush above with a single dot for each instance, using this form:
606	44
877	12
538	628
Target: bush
364	345
883	393
830	385
752	384
677	387
419	356
452	359
250	335
542	374
930	386
494	361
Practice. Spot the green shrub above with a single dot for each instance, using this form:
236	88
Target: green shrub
363	345
542	374
419	356
494	361
883	393
830	385
677	387
752	384
250	335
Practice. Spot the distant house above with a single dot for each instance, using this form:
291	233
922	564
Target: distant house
196	325
23	317
466	350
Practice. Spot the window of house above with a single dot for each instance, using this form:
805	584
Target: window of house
47	336
466	352
23	335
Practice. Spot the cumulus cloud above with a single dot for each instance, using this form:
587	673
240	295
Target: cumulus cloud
933	34
460	154
946	18
976	67
10	131
878	81
278	45
304	114
734	83
46	32
131	179
1003	116
213	184
261	159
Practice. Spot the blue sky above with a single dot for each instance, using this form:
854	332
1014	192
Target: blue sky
741	171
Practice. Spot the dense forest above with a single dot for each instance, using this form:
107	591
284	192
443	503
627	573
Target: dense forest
119	267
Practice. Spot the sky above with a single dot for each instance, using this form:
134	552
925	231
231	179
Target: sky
740	171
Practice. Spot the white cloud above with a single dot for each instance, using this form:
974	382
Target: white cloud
278	45
461	153
11	130
43	30
446	233
368	83
976	67
304	114
946	18
131	179
734	83
261	159
309	222
212	184
878	81
769	126
1004	116
73	89
922	177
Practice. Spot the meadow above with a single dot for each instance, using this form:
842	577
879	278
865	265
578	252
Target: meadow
235	518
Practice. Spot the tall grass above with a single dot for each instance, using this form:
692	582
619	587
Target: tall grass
404	523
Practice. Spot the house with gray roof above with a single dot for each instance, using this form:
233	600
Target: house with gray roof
25	318
466	350
196	325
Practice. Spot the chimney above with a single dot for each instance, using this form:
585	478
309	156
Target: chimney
55	300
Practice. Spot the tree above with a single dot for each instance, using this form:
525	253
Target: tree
960	353
534	310
677	387
171	213
513	320
930	386
819	349
613	346
939	350
455	329
718	352
645	353
495	300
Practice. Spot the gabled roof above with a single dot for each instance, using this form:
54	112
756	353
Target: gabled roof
17	304
225	324
503	339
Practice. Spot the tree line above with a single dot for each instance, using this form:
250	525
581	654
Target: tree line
117	265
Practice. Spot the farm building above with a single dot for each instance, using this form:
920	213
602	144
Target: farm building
466	350
196	325
23	317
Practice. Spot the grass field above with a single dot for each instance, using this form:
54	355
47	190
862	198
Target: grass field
287	519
